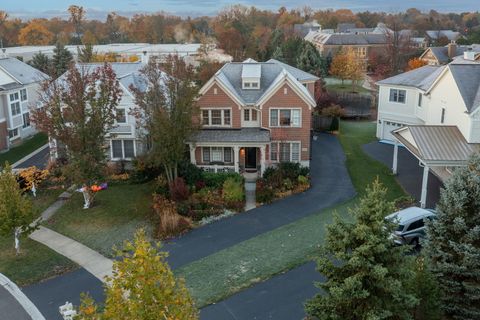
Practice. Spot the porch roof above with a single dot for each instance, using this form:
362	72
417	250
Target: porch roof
252	135
436	145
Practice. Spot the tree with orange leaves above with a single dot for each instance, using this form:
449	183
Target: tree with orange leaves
415	63
35	34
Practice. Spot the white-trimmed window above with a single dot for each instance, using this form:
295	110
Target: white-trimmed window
23	95
12	134
420	97
26	120
15	104
398	95
123	149
217	155
249	85
216	117
121	115
285	118
285	151
250	115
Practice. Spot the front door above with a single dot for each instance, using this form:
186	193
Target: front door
250	158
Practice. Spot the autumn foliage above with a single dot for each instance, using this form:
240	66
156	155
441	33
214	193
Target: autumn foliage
415	63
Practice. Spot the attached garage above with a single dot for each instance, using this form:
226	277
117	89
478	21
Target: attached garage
387	127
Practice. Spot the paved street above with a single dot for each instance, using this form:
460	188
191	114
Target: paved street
39	160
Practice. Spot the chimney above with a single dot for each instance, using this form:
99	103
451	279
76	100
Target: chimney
452	50
4	54
145	57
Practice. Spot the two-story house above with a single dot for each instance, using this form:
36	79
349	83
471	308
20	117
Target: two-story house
434	112
253	115
19	84
124	140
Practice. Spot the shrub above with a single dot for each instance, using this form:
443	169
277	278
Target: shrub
161	186
288	184
216	180
167	221
335	125
302	180
233	194
190	172
179	190
333	110
264	193
292	170
144	170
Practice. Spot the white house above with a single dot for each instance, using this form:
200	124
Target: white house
434	111
19	83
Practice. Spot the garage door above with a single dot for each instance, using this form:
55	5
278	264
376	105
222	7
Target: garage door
388	127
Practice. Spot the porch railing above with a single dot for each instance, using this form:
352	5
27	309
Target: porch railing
217	168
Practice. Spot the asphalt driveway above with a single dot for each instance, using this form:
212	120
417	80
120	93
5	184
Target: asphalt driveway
39	160
409	173
331	185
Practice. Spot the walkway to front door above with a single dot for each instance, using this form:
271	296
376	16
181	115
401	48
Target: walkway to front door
250	188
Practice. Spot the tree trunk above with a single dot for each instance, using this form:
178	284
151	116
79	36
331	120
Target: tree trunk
17	240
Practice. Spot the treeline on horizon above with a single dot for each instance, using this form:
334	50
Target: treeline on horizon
241	31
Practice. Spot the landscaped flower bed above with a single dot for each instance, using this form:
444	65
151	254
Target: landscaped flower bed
281	181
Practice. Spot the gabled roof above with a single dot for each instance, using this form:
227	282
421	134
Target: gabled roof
441	53
342	39
272	73
21	72
420	78
449	34
467	78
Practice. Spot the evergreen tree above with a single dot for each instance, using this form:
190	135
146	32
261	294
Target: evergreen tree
41	62
310	61
367	276
143	287
62	58
85	53
16	212
453	244
278	54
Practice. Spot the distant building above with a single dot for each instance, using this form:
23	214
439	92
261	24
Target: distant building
344	27
304	28
19	83
442	55
434	35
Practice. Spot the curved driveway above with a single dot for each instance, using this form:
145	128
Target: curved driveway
331	184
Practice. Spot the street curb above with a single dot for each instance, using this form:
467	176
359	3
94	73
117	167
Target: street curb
29	156
21	298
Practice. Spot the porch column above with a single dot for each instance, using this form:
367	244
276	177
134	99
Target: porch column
395	158
236	158
423	197
193	159
262	160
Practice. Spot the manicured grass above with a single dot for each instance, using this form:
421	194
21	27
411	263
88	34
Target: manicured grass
219	275
346	88
24	149
116	214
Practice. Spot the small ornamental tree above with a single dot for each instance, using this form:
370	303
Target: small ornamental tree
78	111
367	276
453	243
339	66
142	288
167	111
16	212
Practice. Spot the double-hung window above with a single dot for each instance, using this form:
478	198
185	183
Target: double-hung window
398	95
285	118
23	95
12	134
121	115
123	149
217	154
285	151
216	117
15	104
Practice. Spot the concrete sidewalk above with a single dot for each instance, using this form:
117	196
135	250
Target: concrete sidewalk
87	258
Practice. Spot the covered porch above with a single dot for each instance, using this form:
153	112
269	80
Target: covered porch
439	149
230	150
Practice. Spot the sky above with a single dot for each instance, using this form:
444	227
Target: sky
98	8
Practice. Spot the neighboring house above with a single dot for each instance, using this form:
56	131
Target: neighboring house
125	141
19	83
443	55
433	36
254	115
304	28
434	111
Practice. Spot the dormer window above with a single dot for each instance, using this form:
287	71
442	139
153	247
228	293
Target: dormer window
251	74
250	85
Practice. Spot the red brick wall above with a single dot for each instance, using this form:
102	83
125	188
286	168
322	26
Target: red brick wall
220	100
289	100
3	135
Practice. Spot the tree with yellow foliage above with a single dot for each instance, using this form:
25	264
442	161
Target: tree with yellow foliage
415	63
142	287
35	34
346	66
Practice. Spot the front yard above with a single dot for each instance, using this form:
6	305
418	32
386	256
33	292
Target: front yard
219	275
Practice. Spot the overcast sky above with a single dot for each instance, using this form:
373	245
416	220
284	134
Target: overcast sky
48	8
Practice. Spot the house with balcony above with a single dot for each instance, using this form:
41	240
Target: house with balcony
254	115
434	112
19	83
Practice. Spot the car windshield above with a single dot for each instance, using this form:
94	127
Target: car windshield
400	227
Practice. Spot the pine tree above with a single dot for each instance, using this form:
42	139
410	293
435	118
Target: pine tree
41	62
310	61
16	212
85	53
453	244
142	288
367	276
278	54
62	58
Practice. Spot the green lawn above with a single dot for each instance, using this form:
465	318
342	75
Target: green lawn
116	214
338	87
24	149
36	261
217	276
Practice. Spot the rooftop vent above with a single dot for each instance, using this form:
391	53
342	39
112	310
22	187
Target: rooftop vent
469	55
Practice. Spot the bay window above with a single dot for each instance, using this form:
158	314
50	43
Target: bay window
285	118
15	104
216	117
